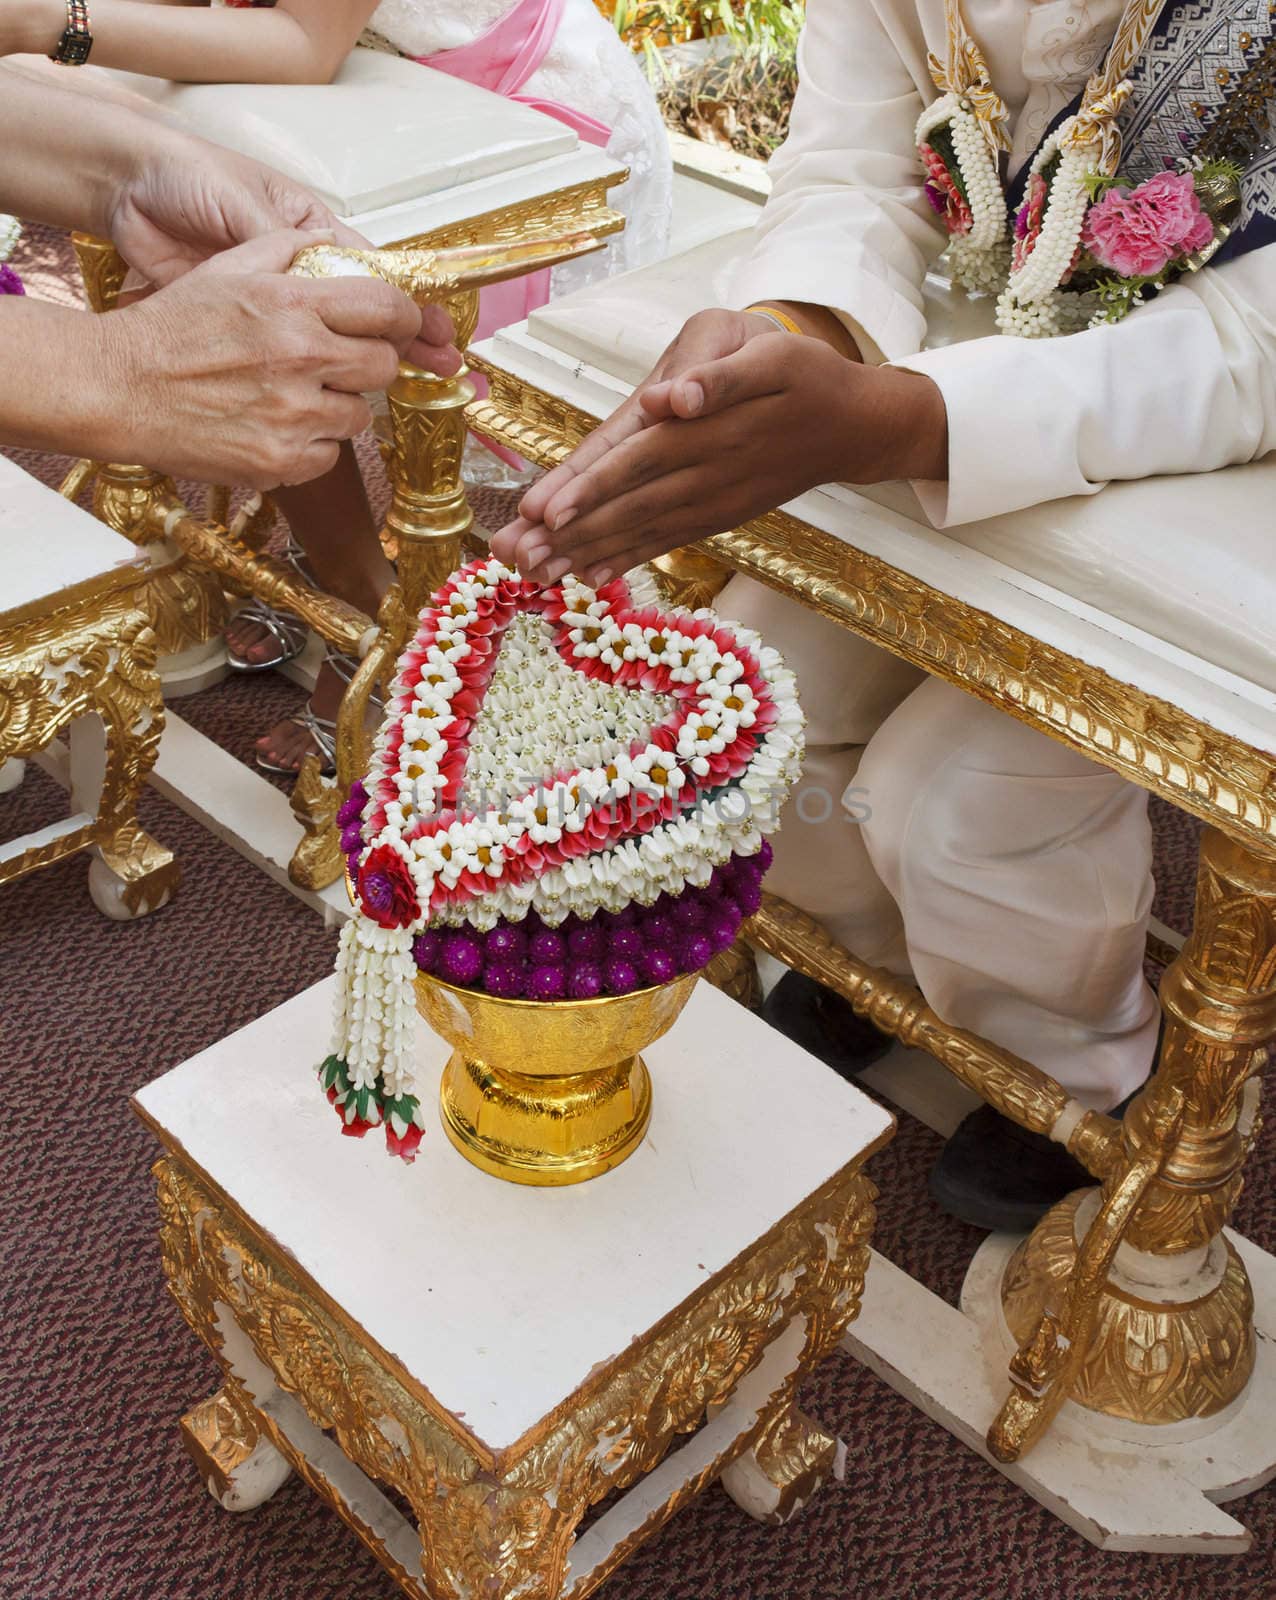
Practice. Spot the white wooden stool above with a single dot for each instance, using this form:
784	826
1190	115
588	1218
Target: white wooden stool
77	655
505	1357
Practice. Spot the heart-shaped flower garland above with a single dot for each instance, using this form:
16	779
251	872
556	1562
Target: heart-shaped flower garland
653	819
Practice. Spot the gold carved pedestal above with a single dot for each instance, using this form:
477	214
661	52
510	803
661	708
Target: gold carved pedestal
547	1093
1132	1303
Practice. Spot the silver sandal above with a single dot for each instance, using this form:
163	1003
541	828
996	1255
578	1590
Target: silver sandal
288	632
324	735
322	730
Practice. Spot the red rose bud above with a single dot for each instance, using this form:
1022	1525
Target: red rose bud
402	1145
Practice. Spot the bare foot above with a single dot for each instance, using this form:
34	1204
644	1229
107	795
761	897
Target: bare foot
289	742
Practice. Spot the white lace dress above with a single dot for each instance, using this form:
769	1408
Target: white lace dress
591	70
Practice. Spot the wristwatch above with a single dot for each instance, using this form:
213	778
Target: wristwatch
77	37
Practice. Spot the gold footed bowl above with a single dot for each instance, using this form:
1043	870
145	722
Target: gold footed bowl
547	1092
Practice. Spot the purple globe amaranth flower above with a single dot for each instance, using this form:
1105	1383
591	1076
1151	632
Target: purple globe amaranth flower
352	864
546	983
504	944
625	917
720	930
351	839
426	948
504	979
658	930
587	943
696	951
461	958
687	910
765	856
352	808
626	944
658	966
585	981
10	282
749	898
547	947
621	977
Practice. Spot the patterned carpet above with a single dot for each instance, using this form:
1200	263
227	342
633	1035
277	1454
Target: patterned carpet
102	1502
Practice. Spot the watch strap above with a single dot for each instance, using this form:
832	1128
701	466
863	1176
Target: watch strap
77	37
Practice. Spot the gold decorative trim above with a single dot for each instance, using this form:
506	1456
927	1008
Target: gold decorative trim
503	1523
581	207
1147	1363
1153	743
91	652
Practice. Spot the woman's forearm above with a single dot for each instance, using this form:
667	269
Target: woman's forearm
67	153
297	41
55	380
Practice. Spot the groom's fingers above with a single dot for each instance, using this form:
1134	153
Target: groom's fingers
646	455
761	367
626	420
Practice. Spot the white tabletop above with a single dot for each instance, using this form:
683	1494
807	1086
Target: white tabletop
385	130
497	1298
49	546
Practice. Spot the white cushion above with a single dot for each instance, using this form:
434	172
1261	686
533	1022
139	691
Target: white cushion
385	130
49	546
1187	560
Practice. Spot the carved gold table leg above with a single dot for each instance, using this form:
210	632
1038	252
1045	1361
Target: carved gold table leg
792	1459
1172	1334
131	873
236	1463
88	668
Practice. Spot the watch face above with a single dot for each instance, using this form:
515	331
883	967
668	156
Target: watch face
74	49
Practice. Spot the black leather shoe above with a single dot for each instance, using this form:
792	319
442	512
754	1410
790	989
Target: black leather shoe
996	1175
823	1023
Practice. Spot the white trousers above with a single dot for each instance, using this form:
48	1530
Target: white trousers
939	838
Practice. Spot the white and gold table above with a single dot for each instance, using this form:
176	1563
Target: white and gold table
1130	625
501	1358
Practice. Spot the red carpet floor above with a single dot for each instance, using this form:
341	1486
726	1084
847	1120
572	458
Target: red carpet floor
101	1502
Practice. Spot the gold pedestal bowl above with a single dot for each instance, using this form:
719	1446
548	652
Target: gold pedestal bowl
547	1092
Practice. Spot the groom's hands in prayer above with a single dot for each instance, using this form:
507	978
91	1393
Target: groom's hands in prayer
719	442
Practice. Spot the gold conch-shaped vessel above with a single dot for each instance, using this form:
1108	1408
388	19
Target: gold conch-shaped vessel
428	276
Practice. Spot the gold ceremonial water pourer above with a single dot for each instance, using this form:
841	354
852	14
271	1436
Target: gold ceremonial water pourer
428	276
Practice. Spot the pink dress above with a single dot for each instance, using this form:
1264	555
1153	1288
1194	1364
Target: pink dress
564	59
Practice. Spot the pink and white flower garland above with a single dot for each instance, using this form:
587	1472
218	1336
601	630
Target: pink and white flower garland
965	190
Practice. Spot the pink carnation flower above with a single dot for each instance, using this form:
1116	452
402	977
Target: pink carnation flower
1138	232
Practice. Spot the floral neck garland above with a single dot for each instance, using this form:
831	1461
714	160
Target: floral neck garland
681	743
1085	244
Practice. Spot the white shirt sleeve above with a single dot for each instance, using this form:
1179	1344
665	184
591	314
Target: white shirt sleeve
1186	383
847	224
